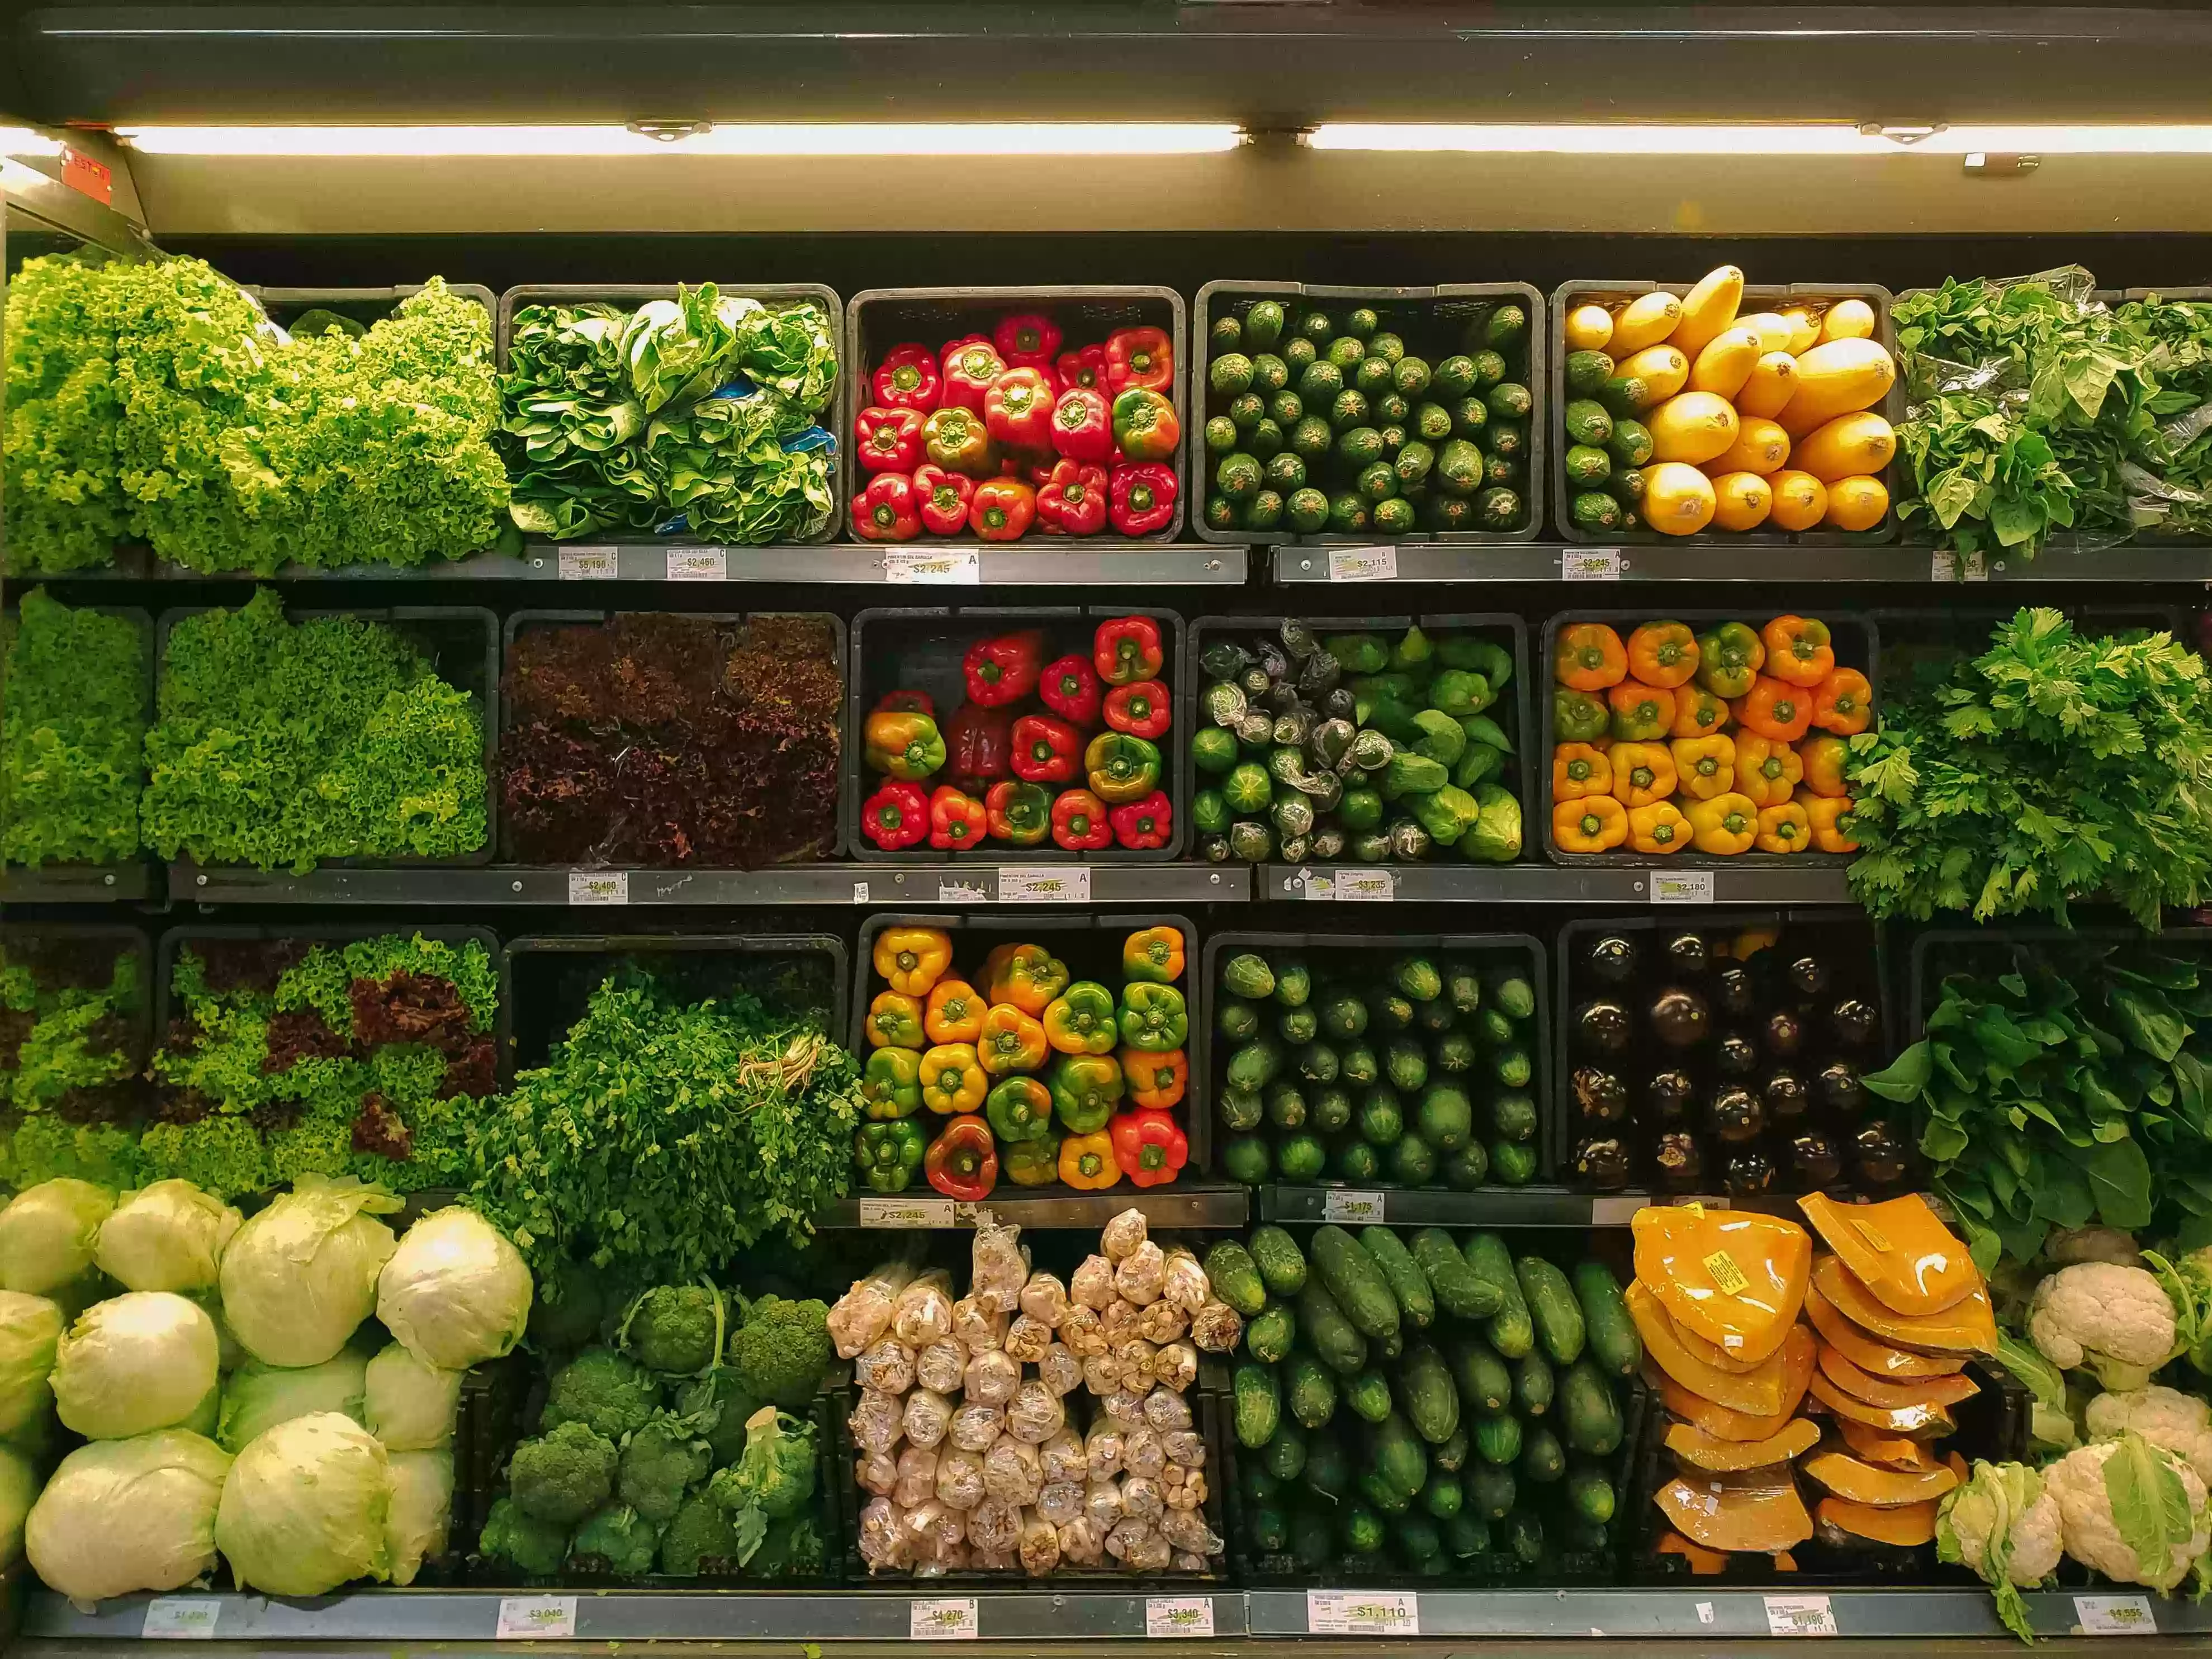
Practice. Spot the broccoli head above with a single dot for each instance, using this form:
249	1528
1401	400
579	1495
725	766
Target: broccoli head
675	1329
792	1549
776	1475
534	1548
717	1405
605	1391
617	1540
561	1477
700	1540
783	1351
661	1463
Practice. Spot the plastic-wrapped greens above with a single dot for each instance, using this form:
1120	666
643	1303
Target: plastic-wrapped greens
1125	1405
1188	1286
959	1478
1085	1331
1184	1561
917	1477
1102	1450
1059	1501
1119	1320
1082	1542
1186	1529
996	1269
994	1524
1060	1458
1101	1373
1135	1357
1216	1327
1027	1338
978	1328
991	1379
975	1426
876	1471
993	1561
1122	1235
875	1420
923	1312
1176	1366
1165	1411
1163	1321
1040	1544
1012	1473
1093	1284
1141	1276
1143	1454
928	1415
1184	1446
1137	1545
886	1365
1044	1299
1101	1502
1142	1498
941	1365
864	1313
1035	1414
1059	1370
883	1535
934	1532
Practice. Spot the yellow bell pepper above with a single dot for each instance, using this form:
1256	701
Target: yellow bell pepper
1086	1162
911	959
955	1013
1153	953
1765	770
895	1021
1830	817
1593	824
1785	828
1580	769
1658	828
1726	824
1011	1041
952	1080
1697	713
1642	773
1824	757
1704	767
1028	975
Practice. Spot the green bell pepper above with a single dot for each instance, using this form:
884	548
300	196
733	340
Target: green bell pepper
1086	1089
1153	1017
1121	768
1031	1163
891	1085
1018	1109
1579	716
888	1155
1080	1019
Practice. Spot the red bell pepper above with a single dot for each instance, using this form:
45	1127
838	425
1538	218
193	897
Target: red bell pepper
978	743
888	440
1003	668
1141	708
1087	367
1019	813
944	498
1046	750
888	510
963	1162
1140	357
895	816
1142	498
1080	822
1142	824
1070	688
1083	425
903	701
1002	509
1027	339
1018	410
1146	428
908	378
1035	465
1149	1146
956	819
970	365
1074	500
1127	649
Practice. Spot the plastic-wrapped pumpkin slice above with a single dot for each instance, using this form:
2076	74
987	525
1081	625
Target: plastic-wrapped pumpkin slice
1875	1358
1718	1421
1734	1279
1736	1515
1844	1523
1855	1482
1916	1422
1944	1391
1769	1388
1910	1260
1694	1448
1704	1563
1968	1326
1892	1451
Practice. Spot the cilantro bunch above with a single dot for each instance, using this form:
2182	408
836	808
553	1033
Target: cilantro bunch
73	696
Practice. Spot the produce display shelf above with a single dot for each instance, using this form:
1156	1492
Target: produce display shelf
1551	562
77	883
1194	1203
1437	1207
1527	882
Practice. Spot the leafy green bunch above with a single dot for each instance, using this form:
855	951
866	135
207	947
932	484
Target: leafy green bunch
2049	769
64	503
67	1049
73	695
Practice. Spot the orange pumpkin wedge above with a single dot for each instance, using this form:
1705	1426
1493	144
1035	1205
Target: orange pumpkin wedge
1784	1562
1892	1451
1876	1358
1905	1525
1771	1389
1704	1563
1945	1391
1919	1422
1969	1327
1735	1279
1711	1353
1694	1448
1911	1262
1878	1488
1718	1421
1739	1519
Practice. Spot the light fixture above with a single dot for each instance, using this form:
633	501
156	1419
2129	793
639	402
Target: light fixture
15	176
1762	139
697	139
23	141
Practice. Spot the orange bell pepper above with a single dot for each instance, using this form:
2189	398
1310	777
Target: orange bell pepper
1784	829
1086	1162
1824	758
1011	1041
1642	773
1697	712
1765	770
1704	767
1798	650
1658	828
911	959
1831	818
1593	824
1775	709
1155	1078
1726	824
1842	703
1028	975
1662	653
1579	769
952	1080
894	1021
1640	711
955	1013
1589	657
1153	953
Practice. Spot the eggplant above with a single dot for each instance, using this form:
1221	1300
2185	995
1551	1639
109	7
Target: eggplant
1318	675
1603	1027
1600	1096
1680	1019
1688	955
1735	990
1808	976
1748	1173
1841	1091
1814	1161
1602	1163
1880	1155
1339	704
1300	642
1736	1057
1784	1035
1224	659
1668	1096
1855	1022
1680	1160
1786	1097
1735	1117
1611	958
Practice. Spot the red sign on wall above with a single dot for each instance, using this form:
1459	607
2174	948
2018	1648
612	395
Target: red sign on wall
91	178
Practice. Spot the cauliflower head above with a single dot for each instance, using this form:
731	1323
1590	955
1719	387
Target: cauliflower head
2131	1511
2179	1422
783	1351
608	1393
2003	1525
2069	1245
535	1548
561	1477
2115	1320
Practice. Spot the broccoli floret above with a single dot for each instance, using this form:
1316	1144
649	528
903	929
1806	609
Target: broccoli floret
617	1540
783	1351
675	1329
561	1477
661	1463
699	1540
535	1548
605	1391
776	1475
717	1405
792	1549
569	1309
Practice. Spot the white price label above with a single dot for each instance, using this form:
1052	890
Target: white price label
1337	1205
859	892
1977	568
1942	566
181	1618
914	1214
534	1617
1366	886
1681	887
1704	1612
697	564
1044	883
1800	1615
1321	885
598	887
1178	1616
959	890
955	567
1362	564
1613	1211
1590	564
587	564
1362	1612
2115	1615
947	1619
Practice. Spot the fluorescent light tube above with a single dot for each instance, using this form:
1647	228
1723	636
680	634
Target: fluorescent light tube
821	138
1772	138
21	141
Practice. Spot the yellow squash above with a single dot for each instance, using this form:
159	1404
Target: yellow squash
1761	447
1741	501
1861	442
1857	503
1693	427
1848	319
1773	383
1708	309
1662	369
1678	499
1644	321
1801	500
1725	363
1835	377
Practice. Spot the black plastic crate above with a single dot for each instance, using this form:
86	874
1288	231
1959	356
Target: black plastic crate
1414	310
920	647
1757	297
879	319
1919	646
1856	642
1937	952
285	306
143	621
97	945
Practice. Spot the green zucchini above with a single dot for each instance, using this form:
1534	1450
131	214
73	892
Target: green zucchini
1416	1300
1614	1342
1459	1291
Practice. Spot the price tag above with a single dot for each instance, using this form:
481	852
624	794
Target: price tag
598	887
1942	566
1977	568
1590	564
535	1618
1800	1615
1337	1205
1362	1612
87	177
1368	886
1362	564
1178	1616
914	1214
959	890
948	1618
1704	1612
1613	1211
1681	886
1321	885
955	567
697	564
859	892
2115	1615
1044	883
181	1618
587	564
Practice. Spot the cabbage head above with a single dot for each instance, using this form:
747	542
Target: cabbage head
48	1232
411	1405
455	1293
168	1236
135	1363
422	1509
30	1327
305	1507
121	1516
257	1397
19	1489
301	1275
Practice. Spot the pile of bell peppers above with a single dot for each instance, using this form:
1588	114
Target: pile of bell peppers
1018	1072
1722	742
1069	753
995	436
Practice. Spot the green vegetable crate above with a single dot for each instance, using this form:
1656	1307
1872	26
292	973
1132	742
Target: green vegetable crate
877	320
287	307
1918	647
1757	297
84	956
1267	342
1498	1132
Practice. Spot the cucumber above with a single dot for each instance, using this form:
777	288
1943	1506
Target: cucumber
1312	1395
1491	1491
1377	1488
1313	1537
1258	1404
1533	1385
1581	1537
1352	1277
1498	1439
1419	1542
1267	1528
1484	1386
1328	1466
1510	1329
1459	1291
1467	1534
1399	1455
1329	1333
1444	1496
1426	1392
1452	1455
1542	1458
1286	1452
1268	1338
1235	1277
1282	1268
1255	1483
1368	1397
1524	1536
1590	1417
1591	1492
1407	1283
1551	1306
1614	1342
1361	1529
